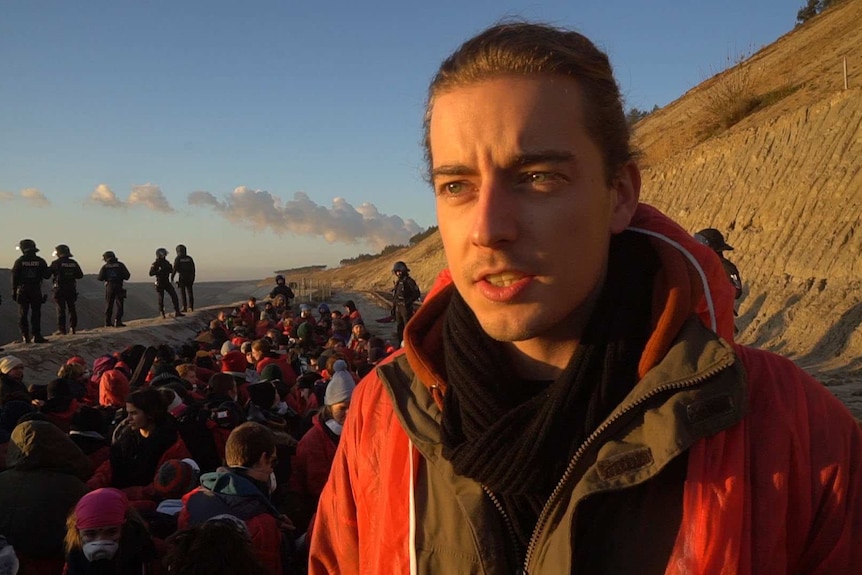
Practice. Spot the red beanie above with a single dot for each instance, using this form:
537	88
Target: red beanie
234	362
103	507
175	478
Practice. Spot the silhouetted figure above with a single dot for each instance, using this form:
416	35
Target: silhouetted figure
714	239
404	295
28	271
114	273
66	273
184	265
162	270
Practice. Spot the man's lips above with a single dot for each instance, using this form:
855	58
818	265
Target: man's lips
503	287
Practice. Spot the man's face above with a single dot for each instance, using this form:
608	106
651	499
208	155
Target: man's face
524	210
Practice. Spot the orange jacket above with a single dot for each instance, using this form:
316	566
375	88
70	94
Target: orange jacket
774	468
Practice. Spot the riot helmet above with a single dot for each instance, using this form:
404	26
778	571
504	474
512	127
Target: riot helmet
399	268
161	253
27	247
712	238
279	279
62	251
108	255
181	250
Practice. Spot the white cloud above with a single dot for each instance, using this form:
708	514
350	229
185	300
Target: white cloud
150	196
35	197
301	216
146	195
103	195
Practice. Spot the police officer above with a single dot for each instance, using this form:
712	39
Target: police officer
281	289
27	274
114	273
404	295
714	239
184	265
162	270
66	272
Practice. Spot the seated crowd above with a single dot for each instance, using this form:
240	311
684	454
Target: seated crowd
205	459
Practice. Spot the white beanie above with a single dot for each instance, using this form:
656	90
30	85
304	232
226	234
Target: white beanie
9	363
339	389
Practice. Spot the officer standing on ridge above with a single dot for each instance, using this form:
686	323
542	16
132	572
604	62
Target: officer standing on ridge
66	272
184	265
27	274
162	270
114	273
714	239
404	295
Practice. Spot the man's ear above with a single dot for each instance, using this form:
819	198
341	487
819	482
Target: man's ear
627	190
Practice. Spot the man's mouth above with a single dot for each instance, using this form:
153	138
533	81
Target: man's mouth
504	279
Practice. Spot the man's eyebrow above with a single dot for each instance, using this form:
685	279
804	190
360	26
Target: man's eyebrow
542	157
452	170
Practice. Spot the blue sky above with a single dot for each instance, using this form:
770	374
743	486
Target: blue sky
232	127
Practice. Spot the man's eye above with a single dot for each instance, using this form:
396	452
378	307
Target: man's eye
452	188
540	177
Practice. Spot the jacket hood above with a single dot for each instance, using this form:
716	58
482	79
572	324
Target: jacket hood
226	481
41	445
691	280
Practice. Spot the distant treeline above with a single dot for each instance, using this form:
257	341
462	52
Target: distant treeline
391	248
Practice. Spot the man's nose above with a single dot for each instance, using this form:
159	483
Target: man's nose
495	220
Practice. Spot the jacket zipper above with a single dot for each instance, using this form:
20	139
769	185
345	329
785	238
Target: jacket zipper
543	517
509	527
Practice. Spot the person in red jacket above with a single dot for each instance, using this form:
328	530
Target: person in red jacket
560	406
316	450
142	443
243	489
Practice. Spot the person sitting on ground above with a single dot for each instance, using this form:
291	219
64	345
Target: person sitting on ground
144	440
316	449
221	545
12	386
352	313
173	480
75	370
45	479
106	535
263	355
243	489
60	405
87	431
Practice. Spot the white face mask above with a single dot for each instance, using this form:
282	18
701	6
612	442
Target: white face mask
273	483
95	550
281	408
334	426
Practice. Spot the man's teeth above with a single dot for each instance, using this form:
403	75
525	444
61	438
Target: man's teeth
504	279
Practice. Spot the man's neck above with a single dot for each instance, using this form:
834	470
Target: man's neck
541	359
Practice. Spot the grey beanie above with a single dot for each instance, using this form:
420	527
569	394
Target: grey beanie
227	347
339	389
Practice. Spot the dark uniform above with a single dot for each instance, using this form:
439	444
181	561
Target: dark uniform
27	274
283	290
404	295
162	270
114	273
66	273
184	265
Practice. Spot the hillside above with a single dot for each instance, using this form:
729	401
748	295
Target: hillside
784	184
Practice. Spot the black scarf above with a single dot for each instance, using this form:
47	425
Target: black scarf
517	436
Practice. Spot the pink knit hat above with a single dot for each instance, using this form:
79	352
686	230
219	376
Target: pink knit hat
103	507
